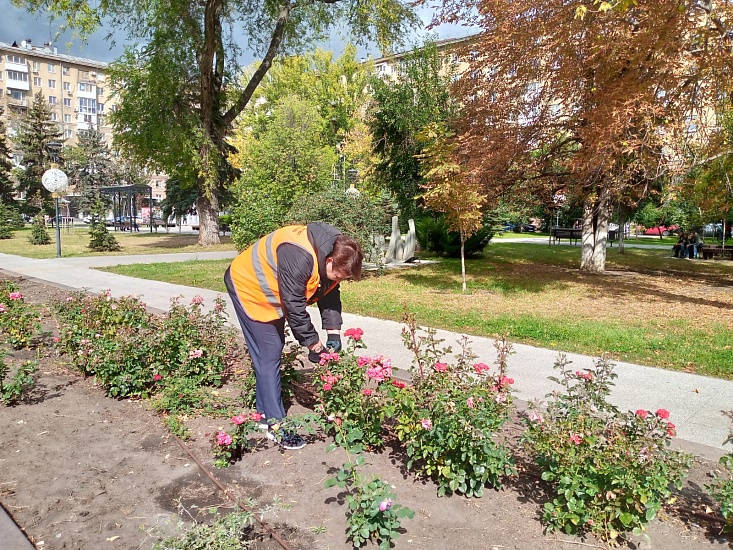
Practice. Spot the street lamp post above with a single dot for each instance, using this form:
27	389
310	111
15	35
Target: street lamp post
55	181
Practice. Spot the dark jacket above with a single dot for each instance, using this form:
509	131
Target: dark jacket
295	267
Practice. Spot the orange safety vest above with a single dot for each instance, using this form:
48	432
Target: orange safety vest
254	273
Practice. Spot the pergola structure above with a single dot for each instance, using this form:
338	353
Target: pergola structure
123	201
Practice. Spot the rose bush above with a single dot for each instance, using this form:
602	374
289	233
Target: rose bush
19	321
450	416
610	471
134	353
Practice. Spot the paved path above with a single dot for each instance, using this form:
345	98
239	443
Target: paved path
696	402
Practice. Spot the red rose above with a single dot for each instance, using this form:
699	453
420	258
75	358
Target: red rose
663	413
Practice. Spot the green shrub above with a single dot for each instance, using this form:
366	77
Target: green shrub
227	533
255	214
21	380
19	321
433	236
134	353
100	239
722	488
39	235
10	220
450	417
359	216
610	471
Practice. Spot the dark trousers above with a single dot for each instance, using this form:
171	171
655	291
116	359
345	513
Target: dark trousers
265	342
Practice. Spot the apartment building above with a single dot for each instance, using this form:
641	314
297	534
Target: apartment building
74	87
388	66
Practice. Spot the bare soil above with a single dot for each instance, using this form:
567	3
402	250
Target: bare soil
82	471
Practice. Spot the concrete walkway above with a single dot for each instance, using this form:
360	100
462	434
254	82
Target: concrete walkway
696	402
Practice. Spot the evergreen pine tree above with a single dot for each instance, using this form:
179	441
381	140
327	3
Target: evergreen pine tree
89	167
39	235
35	131
100	239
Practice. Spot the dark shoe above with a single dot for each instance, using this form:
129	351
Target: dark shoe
286	439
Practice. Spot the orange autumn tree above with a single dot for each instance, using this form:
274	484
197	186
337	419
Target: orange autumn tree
460	198
587	99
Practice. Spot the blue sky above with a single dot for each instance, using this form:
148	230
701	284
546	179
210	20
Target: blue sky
16	25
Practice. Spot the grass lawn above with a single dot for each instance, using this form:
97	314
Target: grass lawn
75	242
648	308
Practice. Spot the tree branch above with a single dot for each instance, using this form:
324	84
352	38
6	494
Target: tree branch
274	48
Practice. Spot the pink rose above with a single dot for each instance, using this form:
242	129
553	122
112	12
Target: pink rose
195	353
2	308
239	419
385	505
327	387
157	377
16	296
69	299
426	423
367	392
671	429
576	438
197	300
642	413
256	417
663	414
355	333
223	438
480	367
469	402
440	367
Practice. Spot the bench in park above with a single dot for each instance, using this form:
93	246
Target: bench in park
710	251
572	234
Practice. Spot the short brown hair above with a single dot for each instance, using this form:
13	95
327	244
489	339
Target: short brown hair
347	257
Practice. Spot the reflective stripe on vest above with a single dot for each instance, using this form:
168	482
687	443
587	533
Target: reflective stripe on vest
254	273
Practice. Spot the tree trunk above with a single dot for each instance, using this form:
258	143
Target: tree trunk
596	215
208	211
463	262
621	227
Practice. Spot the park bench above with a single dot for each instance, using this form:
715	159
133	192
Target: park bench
711	251
572	234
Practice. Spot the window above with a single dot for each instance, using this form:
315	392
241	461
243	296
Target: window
52	100
17	95
51	68
67	86
18	60
54	117
17	75
67	102
100	107
100	91
87	106
51	83
84	87
84	75
68	134
67	118
87	118
65	71
36	65
37	80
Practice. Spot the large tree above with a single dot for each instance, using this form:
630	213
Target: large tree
402	108
594	104
34	131
178	90
89	166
